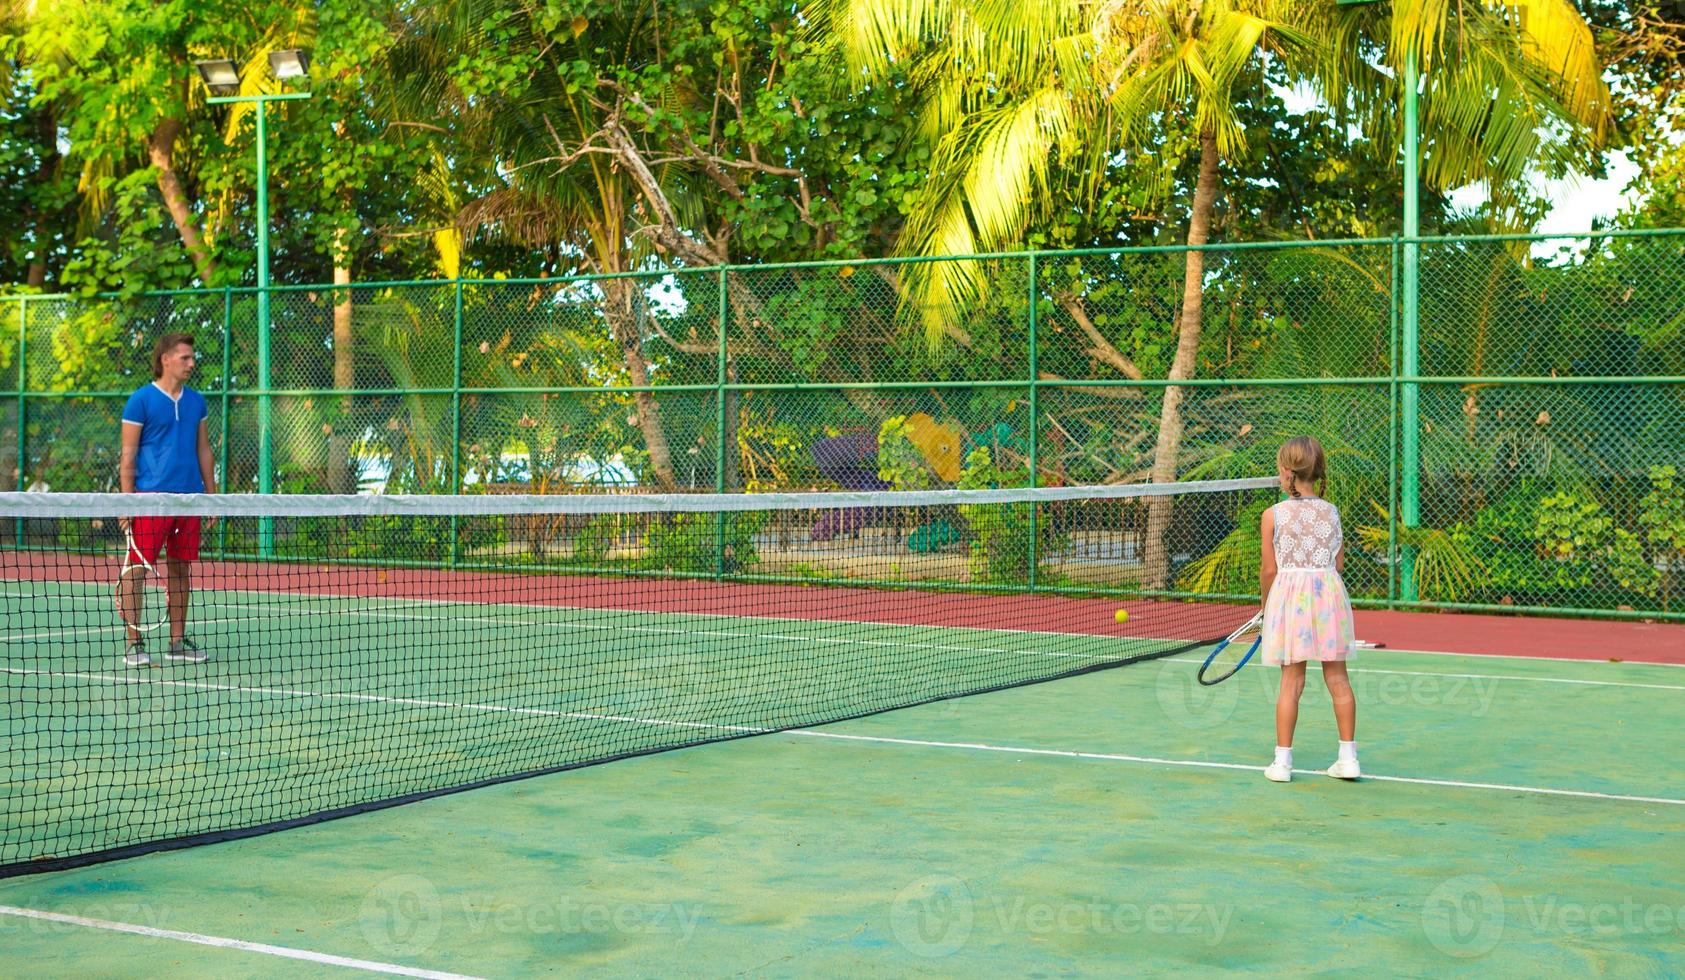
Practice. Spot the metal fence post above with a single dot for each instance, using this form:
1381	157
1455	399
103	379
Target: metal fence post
456	417
1393	494
227	381
23	385
1035	428
720	420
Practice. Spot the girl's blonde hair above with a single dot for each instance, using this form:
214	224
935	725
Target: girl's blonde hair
1302	457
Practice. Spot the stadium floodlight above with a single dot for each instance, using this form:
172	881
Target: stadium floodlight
289	63
222	77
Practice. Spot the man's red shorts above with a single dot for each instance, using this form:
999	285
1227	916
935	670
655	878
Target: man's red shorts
177	537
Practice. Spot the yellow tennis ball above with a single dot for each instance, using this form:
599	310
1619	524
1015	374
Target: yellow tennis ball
1122	616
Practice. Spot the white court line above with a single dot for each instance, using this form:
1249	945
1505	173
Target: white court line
1524	656
797	639
857	622
315	611
1492	677
853	622
816	733
1201	764
221	942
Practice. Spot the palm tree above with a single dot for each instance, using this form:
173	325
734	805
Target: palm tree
561	190
1028	100
1505	88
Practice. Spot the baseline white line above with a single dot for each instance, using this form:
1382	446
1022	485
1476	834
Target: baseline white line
1201	764
840	736
221	942
1530	657
1495	677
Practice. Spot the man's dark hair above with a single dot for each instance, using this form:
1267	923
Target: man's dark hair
165	344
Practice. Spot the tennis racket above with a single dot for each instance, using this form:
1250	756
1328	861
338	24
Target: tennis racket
1233	653
152	593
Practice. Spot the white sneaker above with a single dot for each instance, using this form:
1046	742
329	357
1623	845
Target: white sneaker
1345	769
1276	772
186	652
136	657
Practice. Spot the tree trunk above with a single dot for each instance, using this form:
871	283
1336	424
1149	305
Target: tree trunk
623	321
1157	558
340	477
46	131
731	453
160	148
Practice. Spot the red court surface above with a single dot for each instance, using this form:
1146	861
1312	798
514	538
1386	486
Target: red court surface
1524	636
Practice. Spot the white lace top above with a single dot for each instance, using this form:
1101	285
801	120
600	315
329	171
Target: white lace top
1307	534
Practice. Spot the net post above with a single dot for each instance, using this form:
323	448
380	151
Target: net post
23	384
1035	427
456	414
719	423
227	380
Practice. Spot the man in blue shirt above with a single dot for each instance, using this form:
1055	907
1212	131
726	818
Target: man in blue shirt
166	449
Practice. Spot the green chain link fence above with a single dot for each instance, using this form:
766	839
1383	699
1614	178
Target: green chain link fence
1551	420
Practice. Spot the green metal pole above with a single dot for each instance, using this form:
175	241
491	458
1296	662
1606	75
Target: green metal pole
1392	425
1035	428
720	420
1410	407
456	417
23	385
227	381
265	441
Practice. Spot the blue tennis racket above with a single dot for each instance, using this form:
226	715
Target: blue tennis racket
1233	653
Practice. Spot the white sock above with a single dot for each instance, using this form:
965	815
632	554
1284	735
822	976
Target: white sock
1348	751
1284	756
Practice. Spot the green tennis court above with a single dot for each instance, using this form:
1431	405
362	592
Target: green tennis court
1518	814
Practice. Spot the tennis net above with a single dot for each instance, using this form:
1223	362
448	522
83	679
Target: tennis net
372	650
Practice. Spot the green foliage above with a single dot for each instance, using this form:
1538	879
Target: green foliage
1662	517
691	543
1003	539
900	463
1231	568
591	546
1569	529
1448	568
1662	513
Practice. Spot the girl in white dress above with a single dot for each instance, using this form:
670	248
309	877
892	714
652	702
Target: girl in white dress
1307	614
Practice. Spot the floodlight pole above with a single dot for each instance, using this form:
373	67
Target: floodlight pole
265	438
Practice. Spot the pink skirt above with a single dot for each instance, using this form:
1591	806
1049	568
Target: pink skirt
1308	617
